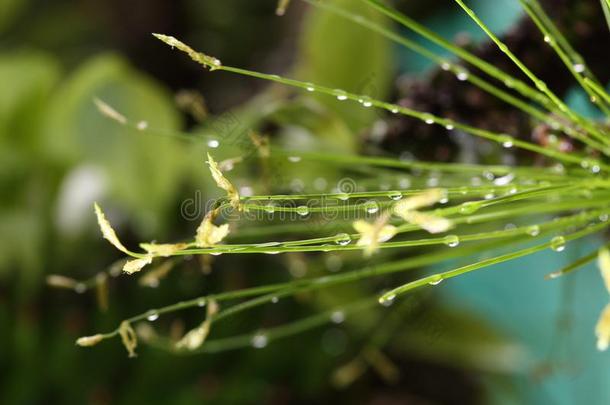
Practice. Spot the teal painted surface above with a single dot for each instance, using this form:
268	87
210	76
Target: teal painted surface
499	15
515	299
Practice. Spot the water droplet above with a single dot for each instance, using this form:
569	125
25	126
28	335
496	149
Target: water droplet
274	300
436	280
342	239
578	67
449	127
259	341
337	317
489	196
507	141
340	94
201	303
80	288
142	125
302	210
269	208
429	119
533	230
294	159
343	196
452	240
152	315
366	101
509	83
558	243
445	66
387	300
394	110
371	207
541	86
548	39
213	143
309	87
470	207
395	195
462	75
603	217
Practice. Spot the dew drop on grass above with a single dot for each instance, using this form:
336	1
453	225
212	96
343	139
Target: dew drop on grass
387	300
152	315
428	119
294	159
302	210
603	217
445	66
533	230
507	141
394	110
274	300
80	288
366	101
340	94
470	207
342	239
449	127
372	207
452	240
436	280
395	195
578	67
462	75
259	341
213	143
337	317
201	303
309	87
343	196
558	243
269	208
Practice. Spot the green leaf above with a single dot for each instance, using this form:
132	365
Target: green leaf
338	53
144	169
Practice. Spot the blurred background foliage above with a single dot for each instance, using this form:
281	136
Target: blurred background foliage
58	154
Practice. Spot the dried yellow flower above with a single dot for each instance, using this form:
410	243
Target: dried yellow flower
209	234
428	222
87	341
282	5
373	234
129	338
425	199
602	329
407	210
58	281
109	112
603	260
133	266
223	182
206	60
107	230
196	337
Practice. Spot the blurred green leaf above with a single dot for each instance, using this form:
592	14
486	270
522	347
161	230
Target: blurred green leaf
145	170
338	53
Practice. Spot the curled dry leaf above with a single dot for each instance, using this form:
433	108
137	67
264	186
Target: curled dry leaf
371	234
133	266
87	341
223	182
209	234
129	338
107	230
